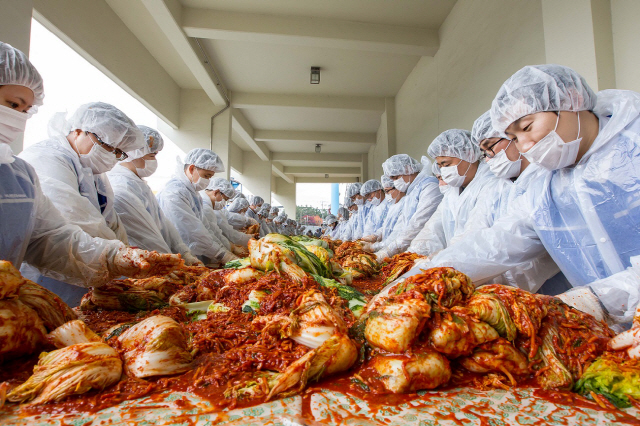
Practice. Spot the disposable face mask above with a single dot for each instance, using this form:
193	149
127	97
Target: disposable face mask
502	167
552	153
375	201
150	167
359	202
99	160
201	183
401	185
388	197
218	205
12	125
451	176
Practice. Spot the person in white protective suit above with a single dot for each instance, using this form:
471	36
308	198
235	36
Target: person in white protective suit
347	229
585	212
343	220
374	196
394	199
236	214
265	227
420	202
279	222
183	206
255	203
137	206
214	198
474	191
33	230
541	275
330	222
358	212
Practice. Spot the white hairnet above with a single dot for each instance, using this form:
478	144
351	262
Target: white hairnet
483	129
254	200
454	143
539	88
282	214
221	185
353	189
387	182
238	204
279	219
401	164
16	69
153	143
274	210
344	212
266	206
264	212
347	202
239	194
111	125
370	186
205	159
330	219
435	169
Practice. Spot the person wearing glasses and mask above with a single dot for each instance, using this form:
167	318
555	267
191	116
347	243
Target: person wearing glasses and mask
374	197
585	213
182	204
357	211
472	185
32	228
137	206
422	195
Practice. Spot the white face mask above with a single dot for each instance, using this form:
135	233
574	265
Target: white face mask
218	205
444	189
388	197
99	160
150	167
359	202
201	183
502	167
401	185
375	201
452	177
12	125
552	153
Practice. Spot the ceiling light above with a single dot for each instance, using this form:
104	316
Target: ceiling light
318	148
315	75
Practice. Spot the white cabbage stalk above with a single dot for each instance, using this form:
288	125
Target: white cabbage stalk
72	333
243	275
198	310
72	370
252	305
156	346
426	369
21	329
50	308
10	280
317	321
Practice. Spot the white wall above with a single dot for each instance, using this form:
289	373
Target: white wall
481	44
256	175
626	43
284	193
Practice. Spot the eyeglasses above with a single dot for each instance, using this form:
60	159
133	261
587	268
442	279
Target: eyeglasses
388	190
488	153
120	154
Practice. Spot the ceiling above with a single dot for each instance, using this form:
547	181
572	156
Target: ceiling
262	52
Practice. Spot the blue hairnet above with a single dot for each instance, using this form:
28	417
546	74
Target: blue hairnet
238	204
401	164
16	69
454	143
370	186
539	88
205	159
387	182
111	125
221	185
353	189
153	143
483	129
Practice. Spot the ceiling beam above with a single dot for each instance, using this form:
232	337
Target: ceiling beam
343	171
314	137
327	180
243	128
310	31
295	156
186	48
278	169
271	100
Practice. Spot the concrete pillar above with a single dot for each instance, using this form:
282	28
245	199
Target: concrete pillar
256	175
15	29
285	194
578	34
196	129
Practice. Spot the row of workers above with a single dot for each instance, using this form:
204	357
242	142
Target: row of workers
543	193
75	210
